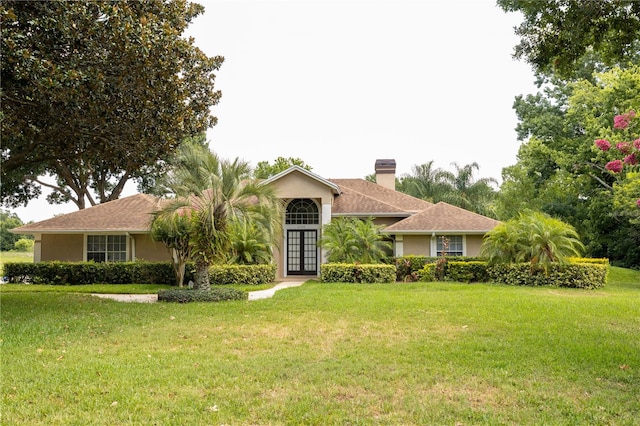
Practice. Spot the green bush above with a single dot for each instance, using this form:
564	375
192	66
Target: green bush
77	273
408	267
242	274
24	244
215	294
427	273
467	272
576	275
357	273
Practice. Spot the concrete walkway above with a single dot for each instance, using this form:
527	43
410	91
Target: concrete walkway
265	294
150	298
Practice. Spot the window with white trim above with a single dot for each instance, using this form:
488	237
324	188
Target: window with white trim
454	243
107	248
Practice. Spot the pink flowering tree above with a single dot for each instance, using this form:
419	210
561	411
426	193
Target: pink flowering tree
623	159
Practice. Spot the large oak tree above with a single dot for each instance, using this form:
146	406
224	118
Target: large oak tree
96	93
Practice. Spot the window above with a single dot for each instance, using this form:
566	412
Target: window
455	244
302	212
107	248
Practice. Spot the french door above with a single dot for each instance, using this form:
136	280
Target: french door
302	252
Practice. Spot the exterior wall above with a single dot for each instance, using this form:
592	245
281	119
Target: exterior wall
297	185
63	247
419	245
148	249
473	244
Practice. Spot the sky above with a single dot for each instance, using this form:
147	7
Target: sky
340	84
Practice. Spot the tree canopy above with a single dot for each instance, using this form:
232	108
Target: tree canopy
557	34
560	171
265	170
97	93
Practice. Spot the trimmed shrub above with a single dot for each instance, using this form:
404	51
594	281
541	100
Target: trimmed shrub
574	275
408	267
215	294
76	273
427	273
357	273
467	272
243	274
24	244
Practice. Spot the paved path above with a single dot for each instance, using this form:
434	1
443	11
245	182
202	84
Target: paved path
150	298
265	294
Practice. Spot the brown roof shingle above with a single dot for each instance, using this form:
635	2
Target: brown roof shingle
359	196
443	217
126	214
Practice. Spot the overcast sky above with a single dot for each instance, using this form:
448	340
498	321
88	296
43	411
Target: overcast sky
340	84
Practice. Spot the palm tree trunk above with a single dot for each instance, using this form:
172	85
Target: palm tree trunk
202	276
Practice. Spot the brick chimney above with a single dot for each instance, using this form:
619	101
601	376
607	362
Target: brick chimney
386	173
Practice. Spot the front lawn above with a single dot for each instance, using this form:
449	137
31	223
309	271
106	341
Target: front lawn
420	353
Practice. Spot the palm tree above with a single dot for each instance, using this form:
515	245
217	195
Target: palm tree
532	237
467	192
250	245
424	182
352	240
215	193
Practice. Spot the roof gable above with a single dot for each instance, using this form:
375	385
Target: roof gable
361	197
293	169
126	214
443	217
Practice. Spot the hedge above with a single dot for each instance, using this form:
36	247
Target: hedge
215	294
579	273
357	273
243	274
408	268
76	273
575	275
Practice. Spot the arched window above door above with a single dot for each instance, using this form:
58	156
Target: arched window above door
302	211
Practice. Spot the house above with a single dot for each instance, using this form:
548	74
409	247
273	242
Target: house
119	230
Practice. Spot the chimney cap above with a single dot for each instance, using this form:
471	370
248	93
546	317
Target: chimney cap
386	164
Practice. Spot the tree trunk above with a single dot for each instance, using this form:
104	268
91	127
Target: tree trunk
202	276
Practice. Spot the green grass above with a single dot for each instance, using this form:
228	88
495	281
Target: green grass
420	353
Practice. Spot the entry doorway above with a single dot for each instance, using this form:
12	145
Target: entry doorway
302	252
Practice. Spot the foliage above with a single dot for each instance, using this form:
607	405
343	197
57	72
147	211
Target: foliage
357	273
575	275
265	170
408	267
24	244
250	243
243	274
532	237
75	273
557	34
97	93
351	240
214	193
459	188
9	221
173	230
214	294
561	172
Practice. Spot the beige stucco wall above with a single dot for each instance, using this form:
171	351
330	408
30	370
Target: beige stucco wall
298	185
63	247
149	250
473	245
419	245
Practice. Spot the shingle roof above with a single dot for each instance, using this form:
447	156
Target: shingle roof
359	196
127	214
443	217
